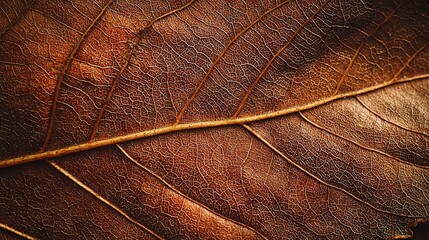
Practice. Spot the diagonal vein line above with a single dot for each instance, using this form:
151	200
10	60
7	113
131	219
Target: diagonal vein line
101	198
65	69
203	80
387	120
408	61
262	73
345	74
185	196
194	125
17	19
57	20
359	145
258	136
395	79
17	232
127	62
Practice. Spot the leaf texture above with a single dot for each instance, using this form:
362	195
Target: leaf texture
213	119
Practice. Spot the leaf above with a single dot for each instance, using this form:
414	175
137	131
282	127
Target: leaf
214	119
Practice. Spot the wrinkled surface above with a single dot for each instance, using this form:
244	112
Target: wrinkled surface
320	109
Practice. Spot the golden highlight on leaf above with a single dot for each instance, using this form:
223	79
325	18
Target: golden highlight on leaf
196	119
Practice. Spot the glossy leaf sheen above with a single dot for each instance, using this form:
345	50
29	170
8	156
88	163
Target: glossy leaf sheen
213	119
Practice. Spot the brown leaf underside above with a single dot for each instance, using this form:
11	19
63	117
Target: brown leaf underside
213	120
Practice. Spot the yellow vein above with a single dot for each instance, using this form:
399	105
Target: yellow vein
127	62
387	120
359	145
409	60
188	126
258	136
101	198
185	196
19	233
236	37
262	73
65	69
394	79
345	74
17	19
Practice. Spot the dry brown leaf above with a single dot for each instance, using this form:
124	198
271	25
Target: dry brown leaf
213	119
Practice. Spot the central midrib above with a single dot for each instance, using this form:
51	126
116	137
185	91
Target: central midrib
189	126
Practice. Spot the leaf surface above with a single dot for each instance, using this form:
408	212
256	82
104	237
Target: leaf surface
214	119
